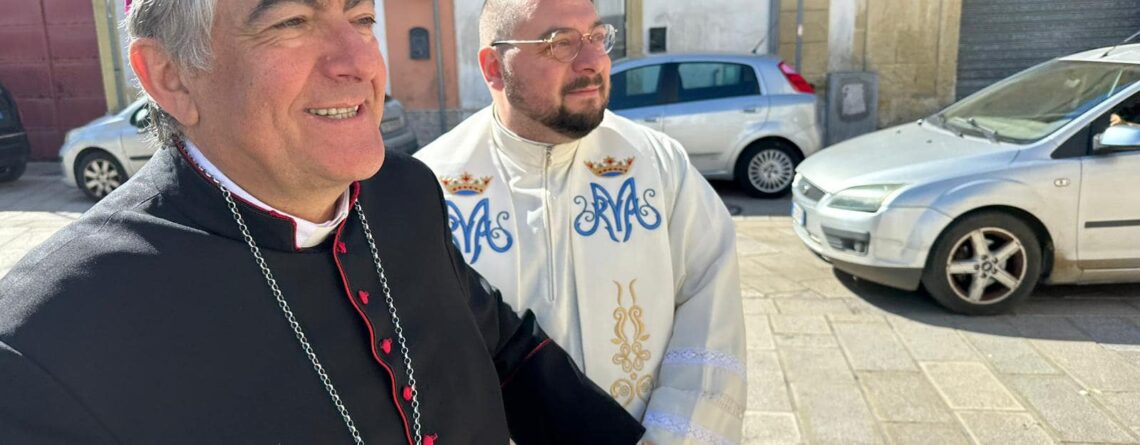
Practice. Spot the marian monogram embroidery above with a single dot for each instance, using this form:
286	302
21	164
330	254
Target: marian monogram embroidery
616	214
629	333
477	229
471	232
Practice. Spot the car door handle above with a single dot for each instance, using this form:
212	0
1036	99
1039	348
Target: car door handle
651	120
751	110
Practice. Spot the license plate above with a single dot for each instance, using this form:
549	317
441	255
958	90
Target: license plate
798	215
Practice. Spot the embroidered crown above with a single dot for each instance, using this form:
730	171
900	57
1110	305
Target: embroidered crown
465	184
610	167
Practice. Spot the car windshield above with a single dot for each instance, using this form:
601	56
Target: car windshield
1035	103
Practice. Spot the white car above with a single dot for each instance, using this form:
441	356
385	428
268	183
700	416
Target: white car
1036	178
747	118
100	156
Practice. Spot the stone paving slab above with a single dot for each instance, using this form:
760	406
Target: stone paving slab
873	347
926	434
998	428
1069	410
767	387
1126	407
969	386
836	413
904	397
771	429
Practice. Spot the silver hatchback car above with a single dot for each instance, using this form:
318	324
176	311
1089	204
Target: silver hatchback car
1036	178
100	156
740	117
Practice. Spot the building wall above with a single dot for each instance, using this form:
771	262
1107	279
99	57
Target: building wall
473	93
708	25
913	45
814	52
415	82
49	59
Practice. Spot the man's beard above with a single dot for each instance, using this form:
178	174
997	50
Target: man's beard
560	119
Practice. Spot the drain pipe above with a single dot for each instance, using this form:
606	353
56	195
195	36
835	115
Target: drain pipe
799	35
439	68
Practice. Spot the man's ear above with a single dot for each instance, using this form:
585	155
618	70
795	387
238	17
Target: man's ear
491	63
163	80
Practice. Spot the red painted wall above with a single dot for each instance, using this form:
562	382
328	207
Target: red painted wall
49	60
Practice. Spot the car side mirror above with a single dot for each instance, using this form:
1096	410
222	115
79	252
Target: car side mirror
141	118
1119	138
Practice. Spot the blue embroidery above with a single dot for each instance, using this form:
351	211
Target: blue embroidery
476	229
616	216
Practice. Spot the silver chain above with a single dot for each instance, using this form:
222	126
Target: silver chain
300	334
395	322
284	305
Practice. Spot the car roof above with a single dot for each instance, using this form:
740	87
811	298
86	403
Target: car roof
1119	54
744	58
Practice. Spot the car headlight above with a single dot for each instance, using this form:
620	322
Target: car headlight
864	198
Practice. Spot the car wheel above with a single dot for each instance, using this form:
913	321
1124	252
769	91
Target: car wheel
766	169
984	264
12	172
98	173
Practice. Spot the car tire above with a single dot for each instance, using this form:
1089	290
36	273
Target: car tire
766	169
13	172
984	264
98	173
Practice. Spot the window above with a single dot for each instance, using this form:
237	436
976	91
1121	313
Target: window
1032	105
704	81
638	87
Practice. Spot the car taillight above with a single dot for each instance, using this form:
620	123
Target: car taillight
798	82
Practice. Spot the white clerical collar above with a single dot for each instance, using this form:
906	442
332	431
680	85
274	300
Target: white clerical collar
523	149
307	233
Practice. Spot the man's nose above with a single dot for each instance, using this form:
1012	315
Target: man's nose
591	58
350	55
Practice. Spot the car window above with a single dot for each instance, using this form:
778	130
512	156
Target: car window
1035	103
710	80
638	87
1082	143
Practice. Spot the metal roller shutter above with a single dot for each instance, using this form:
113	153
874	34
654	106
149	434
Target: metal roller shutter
1001	37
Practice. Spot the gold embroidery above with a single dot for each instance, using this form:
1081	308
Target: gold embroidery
631	355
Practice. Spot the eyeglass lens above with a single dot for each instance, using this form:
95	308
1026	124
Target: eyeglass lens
565	45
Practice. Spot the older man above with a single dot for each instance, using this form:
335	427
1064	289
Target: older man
260	282
599	225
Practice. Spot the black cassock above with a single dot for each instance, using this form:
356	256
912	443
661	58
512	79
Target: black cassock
148	321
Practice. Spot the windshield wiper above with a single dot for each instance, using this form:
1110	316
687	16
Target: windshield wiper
990	133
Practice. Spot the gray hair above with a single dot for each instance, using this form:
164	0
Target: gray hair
499	19
182	28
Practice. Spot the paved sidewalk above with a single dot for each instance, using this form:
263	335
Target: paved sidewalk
834	360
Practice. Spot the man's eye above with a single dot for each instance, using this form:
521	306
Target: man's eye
291	23
561	43
366	21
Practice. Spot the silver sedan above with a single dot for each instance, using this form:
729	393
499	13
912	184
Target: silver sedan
1034	179
746	118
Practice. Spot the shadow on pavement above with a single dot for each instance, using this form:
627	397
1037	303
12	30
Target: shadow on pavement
41	189
740	204
1108	314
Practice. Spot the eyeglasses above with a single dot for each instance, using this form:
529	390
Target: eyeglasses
564	45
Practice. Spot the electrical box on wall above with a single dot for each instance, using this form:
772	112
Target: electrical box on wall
420	44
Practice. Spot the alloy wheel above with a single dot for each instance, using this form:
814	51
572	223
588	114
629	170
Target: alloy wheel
986	266
771	170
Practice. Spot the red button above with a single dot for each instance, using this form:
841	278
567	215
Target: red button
430	439
386	345
408	393
341	247
363	296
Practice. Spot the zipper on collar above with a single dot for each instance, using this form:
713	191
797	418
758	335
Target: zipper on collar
546	202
